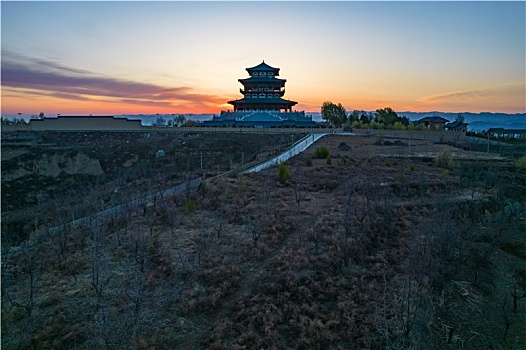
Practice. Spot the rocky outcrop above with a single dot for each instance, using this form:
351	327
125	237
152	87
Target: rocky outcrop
53	165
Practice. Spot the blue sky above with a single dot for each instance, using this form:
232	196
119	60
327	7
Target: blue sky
169	57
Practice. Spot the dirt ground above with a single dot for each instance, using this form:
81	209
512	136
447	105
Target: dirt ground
39	167
382	247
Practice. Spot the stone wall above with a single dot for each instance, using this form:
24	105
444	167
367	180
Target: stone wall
120	124
109	123
85	124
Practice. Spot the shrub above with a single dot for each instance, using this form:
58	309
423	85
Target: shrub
357	124
321	152
521	164
283	172
367	163
189	205
444	159
329	160
399	126
308	162
376	125
379	141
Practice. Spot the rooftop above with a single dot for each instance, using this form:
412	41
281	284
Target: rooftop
263	100
432	119
263	67
261	80
456	125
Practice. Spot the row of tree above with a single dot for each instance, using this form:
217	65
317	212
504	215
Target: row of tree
178	121
337	116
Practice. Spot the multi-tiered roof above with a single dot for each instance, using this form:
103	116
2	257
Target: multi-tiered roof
262	91
262	104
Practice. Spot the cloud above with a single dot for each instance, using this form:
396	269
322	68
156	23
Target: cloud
479	94
146	103
52	79
505	98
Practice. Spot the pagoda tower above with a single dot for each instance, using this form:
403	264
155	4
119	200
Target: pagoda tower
262	91
262	105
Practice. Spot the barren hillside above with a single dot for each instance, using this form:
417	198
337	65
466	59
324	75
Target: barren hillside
382	245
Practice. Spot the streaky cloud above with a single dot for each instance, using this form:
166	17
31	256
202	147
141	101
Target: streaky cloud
56	80
506	90
146	103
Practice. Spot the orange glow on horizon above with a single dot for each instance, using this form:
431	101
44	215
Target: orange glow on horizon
14	103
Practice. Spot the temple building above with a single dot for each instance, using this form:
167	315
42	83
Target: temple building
262	104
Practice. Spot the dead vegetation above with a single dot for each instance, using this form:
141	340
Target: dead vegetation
381	251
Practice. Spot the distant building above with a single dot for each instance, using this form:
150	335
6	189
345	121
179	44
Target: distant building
84	123
456	126
432	123
262	104
507	133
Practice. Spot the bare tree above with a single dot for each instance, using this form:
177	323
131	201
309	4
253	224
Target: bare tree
300	189
100	276
135	298
317	238
201	243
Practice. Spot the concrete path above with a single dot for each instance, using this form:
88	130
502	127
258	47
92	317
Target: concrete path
293	150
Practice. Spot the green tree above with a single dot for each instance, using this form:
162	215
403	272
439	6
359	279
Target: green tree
180	120
459	118
190	123
365	117
375	125
357	124
404	120
160	121
399	126
355	115
386	116
334	114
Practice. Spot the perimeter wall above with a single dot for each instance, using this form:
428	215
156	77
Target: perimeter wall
119	124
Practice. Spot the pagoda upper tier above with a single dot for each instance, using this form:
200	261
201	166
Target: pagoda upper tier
262	91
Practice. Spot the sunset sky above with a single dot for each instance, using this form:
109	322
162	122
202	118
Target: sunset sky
186	57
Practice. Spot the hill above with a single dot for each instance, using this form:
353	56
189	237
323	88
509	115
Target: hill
376	248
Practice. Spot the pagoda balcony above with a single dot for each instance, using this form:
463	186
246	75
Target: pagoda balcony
274	91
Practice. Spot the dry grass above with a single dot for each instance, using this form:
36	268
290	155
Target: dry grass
245	270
